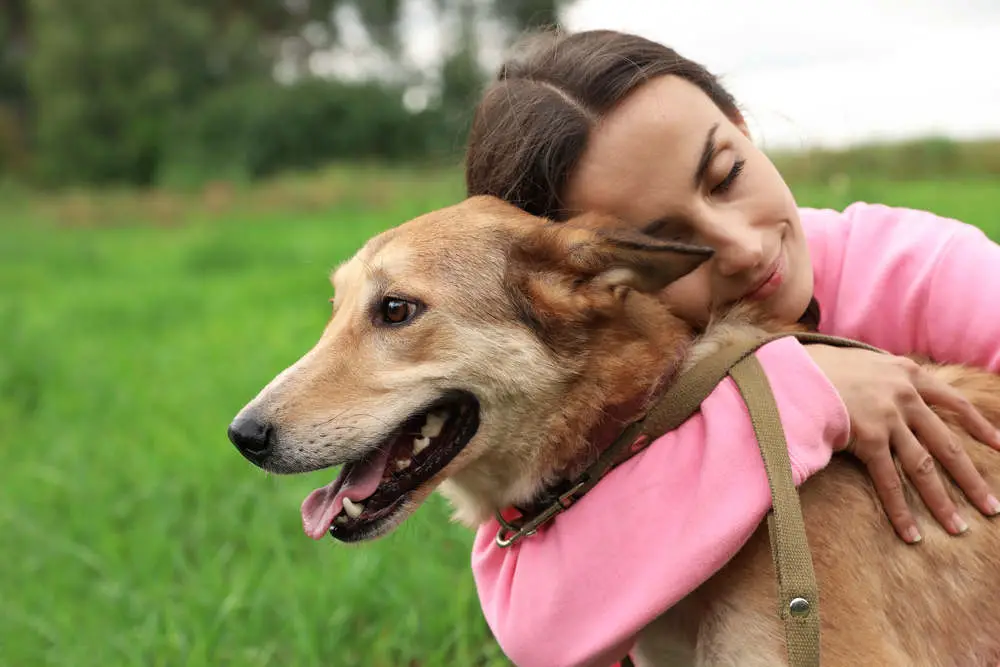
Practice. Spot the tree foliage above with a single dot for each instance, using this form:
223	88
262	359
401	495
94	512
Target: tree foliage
117	91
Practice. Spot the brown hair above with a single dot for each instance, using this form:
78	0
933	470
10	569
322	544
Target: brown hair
532	123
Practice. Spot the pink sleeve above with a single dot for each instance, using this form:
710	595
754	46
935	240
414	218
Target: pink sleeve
655	528
908	281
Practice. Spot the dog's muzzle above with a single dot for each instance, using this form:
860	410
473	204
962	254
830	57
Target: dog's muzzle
252	437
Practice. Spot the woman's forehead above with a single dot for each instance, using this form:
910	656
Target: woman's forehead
654	139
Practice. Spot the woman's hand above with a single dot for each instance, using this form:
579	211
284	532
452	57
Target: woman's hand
888	399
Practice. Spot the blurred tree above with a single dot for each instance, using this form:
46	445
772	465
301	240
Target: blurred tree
462	76
13	87
13	51
110	80
526	14
105	77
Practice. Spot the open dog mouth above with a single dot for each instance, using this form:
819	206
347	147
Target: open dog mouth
368	492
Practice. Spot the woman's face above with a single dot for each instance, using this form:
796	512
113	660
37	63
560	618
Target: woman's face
669	161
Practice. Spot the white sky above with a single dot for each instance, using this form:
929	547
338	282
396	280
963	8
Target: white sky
835	72
806	72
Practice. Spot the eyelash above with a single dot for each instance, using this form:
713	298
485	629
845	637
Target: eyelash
726	183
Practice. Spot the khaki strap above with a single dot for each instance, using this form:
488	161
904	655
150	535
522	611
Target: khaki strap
686	394
681	400
793	565
798	592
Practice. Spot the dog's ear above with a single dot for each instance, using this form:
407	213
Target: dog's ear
563	277
623	260
608	259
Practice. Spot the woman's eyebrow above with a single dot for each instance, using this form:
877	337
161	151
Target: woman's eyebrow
660	224
651	228
706	155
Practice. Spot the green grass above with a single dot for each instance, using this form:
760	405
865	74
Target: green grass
975	201
133	533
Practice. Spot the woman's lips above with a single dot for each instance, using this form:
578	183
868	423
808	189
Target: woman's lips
771	283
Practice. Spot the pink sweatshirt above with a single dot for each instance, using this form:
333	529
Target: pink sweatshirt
661	524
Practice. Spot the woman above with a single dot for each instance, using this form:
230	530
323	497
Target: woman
616	123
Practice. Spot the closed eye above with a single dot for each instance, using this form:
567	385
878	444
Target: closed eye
726	183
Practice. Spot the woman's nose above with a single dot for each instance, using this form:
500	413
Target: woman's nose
739	248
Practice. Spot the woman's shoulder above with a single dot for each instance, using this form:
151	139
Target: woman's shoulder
865	222
859	211
868	242
871	215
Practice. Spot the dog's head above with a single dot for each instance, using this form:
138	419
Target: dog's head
476	344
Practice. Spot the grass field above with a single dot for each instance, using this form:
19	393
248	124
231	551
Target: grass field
133	533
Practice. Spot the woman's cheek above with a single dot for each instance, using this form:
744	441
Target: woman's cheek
690	297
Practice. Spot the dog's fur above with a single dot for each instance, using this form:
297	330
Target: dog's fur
553	327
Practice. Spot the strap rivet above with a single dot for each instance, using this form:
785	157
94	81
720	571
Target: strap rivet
799	607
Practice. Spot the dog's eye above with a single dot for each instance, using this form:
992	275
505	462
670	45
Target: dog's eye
395	311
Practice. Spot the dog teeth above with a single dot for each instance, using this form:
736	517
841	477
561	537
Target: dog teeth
403	464
435	422
420	444
341	519
353	509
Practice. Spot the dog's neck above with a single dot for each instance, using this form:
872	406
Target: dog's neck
625	364
619	390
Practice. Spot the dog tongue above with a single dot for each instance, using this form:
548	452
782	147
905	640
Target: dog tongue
356	481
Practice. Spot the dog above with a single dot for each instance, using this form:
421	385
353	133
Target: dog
477	349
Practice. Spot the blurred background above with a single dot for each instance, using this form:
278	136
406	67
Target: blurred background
177	179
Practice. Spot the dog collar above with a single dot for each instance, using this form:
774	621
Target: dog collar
674	406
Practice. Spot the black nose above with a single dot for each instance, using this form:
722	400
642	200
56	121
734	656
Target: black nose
251	437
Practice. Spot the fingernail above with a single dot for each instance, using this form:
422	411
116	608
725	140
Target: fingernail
993	504
958	524
913	535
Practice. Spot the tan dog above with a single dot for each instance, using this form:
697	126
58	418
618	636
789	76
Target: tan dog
476	348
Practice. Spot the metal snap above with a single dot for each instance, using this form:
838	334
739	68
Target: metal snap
799	607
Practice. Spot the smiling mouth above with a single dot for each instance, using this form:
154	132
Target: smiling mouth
771	281
371	491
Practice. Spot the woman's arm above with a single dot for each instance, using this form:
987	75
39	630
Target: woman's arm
660	525
656	527
909	282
